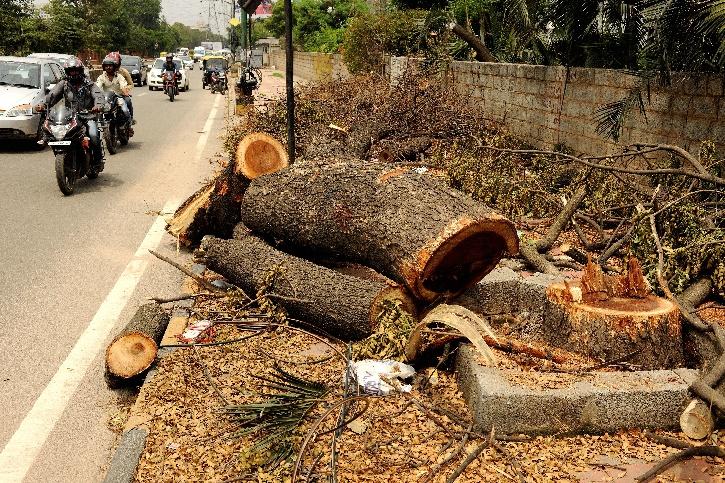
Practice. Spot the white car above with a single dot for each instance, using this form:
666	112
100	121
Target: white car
188	61
156	82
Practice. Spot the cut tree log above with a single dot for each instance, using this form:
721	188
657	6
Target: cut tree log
214	209
696	420
405	223
259	154
611	317
133	351
338	304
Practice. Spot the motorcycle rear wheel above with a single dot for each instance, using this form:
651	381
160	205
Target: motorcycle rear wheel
65	173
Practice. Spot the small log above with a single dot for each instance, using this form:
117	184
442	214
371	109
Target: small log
259	154
696	420
406	224
609	317
133	351
338	304
215	208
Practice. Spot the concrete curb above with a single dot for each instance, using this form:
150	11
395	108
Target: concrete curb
124	462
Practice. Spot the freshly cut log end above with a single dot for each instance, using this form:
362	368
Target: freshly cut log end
259	154
646	331
134	350
130	354
696	421
462	255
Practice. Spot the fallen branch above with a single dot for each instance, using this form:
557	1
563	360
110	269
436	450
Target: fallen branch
469	459
483	54
529	252
201	280
561	221
714	451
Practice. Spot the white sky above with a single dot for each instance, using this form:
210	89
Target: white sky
193	13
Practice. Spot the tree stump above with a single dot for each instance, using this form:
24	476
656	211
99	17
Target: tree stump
133	351
215	208
338	304
615	318
405	223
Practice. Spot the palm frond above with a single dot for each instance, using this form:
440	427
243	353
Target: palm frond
276	417
611	117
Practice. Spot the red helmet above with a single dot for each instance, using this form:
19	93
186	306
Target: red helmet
117	56
74	70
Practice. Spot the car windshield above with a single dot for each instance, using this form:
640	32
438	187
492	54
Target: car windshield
20	74
216	64
159	64
130	62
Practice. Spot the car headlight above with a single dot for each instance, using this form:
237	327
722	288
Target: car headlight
21	110
59	131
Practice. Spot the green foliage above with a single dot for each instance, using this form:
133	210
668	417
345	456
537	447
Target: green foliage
11	14
369	38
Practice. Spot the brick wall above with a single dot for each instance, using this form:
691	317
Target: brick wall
312	66
539	104
548	105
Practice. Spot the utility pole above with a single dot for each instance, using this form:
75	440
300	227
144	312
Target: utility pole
289	72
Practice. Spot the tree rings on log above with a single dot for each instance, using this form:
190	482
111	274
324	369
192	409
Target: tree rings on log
614	319
405	223
259	154
134	350
342	305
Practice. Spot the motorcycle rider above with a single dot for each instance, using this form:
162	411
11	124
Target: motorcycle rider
77	88
111	81
170	66
129	80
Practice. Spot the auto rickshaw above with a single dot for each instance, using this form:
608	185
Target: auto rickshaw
212	63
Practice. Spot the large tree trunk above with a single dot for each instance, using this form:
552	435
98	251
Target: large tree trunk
132	352
339	304
482	52
214	209
616	317
405	223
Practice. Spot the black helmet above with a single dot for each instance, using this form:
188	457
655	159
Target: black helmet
169	57
74	71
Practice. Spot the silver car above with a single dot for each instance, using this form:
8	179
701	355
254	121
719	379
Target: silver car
24	83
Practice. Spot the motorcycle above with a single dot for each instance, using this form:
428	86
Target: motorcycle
66	133
170	87
118	124
218	82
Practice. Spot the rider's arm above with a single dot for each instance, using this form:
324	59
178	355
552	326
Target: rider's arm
123	85
99	100
55	94
101	83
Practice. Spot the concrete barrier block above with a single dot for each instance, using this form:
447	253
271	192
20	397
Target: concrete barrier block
592	403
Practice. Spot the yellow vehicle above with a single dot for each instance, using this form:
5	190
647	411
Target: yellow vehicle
212	63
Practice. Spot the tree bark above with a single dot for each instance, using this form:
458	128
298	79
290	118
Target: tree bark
214	209
406	224
482	52
133	351
341	305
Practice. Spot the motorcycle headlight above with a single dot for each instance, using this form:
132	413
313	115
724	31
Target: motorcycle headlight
60	130
21	110
135	71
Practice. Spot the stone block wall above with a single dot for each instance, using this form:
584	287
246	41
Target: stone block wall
312	66
552	105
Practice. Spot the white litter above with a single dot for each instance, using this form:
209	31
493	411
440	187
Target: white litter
368	373
195	329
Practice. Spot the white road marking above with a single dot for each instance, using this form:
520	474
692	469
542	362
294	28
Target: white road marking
21	451
201	143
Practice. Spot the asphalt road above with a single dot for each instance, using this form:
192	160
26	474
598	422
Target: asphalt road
62	262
